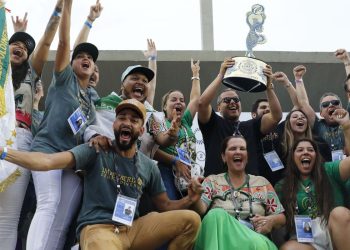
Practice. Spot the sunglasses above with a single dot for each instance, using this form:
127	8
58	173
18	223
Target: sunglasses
228	100
326	104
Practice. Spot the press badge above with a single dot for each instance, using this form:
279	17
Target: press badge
76	120
273	160
184	156
337	155
124	210
303	229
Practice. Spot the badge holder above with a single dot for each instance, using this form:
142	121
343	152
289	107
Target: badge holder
124	210
184	156
337	155
303	229
76	120
273	160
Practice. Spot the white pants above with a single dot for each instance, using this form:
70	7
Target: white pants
58	194
12	198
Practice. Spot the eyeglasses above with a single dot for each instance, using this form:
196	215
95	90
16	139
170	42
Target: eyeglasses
326	104
227	100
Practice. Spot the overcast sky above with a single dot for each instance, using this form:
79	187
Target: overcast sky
298	25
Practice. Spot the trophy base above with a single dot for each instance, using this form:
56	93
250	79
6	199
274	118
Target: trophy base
246	75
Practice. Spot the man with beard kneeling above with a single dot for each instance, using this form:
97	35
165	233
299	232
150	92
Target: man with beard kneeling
114	181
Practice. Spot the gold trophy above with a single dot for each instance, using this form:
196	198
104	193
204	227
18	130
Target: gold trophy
247	73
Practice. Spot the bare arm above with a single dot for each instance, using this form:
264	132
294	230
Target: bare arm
41	52
204	104
196	88
163	203
151	56
95	12
341	116
343	56
40	161
282	78
270	120
63	50
299	72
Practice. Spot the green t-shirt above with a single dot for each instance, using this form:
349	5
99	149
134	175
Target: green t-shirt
136	176
332	170
186	138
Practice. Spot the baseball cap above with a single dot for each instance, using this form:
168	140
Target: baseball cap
134	105
25	38
138	69
88	48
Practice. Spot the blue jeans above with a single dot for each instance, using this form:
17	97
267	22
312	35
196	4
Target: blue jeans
166	171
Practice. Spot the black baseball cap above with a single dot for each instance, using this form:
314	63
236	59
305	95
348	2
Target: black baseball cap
88	48
25	38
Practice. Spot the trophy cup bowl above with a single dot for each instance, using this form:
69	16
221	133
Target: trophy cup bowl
246	75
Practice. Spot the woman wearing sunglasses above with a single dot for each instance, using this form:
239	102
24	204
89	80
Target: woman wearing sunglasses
310	193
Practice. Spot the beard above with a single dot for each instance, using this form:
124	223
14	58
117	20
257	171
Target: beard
124	146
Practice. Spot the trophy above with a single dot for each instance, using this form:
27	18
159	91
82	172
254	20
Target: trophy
247	73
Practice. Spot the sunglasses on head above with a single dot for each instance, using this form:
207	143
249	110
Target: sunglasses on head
327	103
227	100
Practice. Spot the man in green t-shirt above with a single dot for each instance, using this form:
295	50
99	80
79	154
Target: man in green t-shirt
114	181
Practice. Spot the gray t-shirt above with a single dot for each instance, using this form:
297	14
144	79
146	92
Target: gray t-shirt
63	98
101	172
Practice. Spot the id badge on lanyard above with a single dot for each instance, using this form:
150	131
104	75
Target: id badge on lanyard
124	210
77	120
273	160
303	228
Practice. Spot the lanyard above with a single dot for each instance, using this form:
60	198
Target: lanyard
237	204
236	129
310	201
85	101
136	176
333	133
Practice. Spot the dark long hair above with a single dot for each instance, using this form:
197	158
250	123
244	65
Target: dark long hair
290	186
19	73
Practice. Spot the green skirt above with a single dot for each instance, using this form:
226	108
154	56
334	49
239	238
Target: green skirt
221	231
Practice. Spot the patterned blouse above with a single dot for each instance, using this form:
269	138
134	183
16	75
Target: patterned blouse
219	194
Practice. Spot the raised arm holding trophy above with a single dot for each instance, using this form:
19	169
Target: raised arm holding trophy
247	73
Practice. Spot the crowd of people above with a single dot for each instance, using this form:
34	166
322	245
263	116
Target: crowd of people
114	173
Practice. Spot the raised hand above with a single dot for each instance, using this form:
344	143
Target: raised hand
151	52
281	77
195	68
228	63
299	71
95	11
268	73
342	55
341	116
20	24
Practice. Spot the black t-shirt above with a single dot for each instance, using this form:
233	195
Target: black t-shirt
217	129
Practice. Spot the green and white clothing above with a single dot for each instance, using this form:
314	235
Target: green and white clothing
332	170
105	117
136	176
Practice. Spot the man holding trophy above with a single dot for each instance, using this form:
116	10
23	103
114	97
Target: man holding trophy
244	74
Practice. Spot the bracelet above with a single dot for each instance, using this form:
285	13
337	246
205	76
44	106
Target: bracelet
87	23
174	160
4	153
56	13
298	80
195	78
152	58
